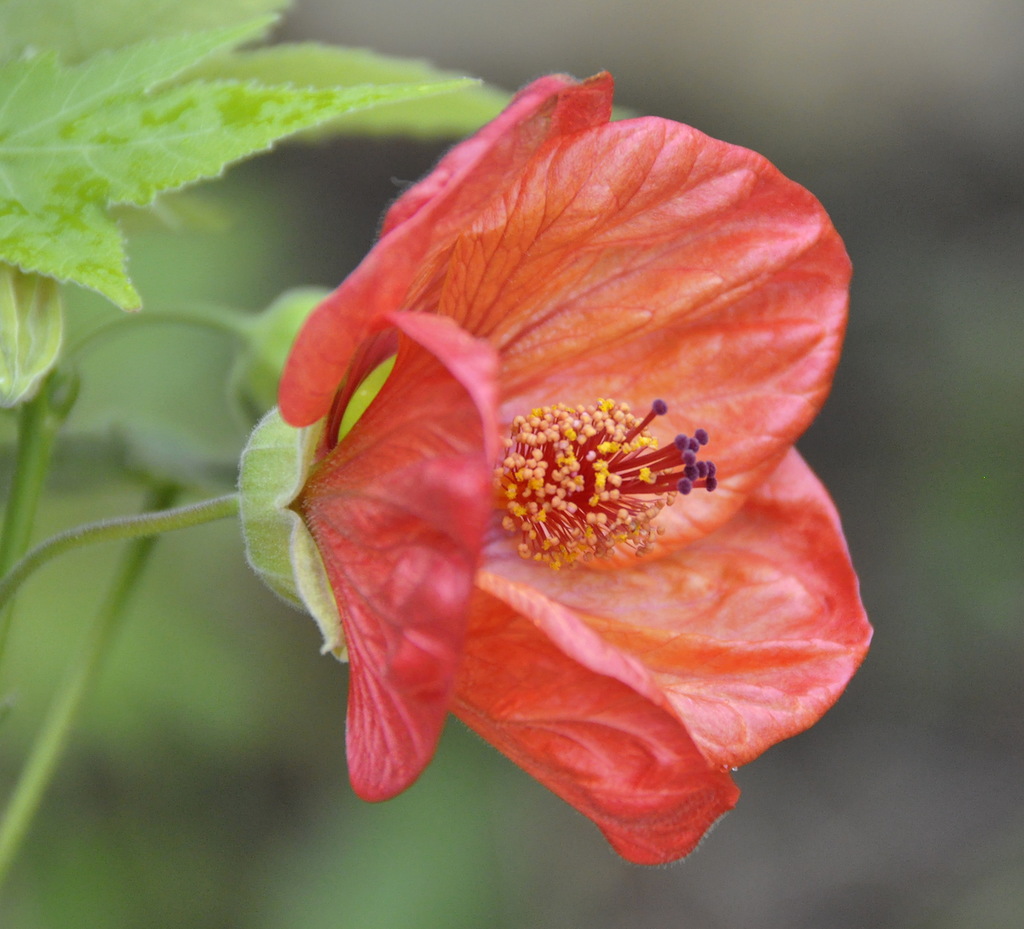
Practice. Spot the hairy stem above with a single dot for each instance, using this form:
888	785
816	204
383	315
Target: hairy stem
109	530
217	319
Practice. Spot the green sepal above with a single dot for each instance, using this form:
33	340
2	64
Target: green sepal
278	546
31	331
363	396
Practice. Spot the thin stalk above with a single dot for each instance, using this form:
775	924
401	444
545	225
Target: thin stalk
36	432
52	739
109	530
38	424
214	318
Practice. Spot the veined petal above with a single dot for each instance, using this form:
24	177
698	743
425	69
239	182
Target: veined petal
471	362
551	106
559	261
424	223
397	511
614	755
642	259
751	634
569	633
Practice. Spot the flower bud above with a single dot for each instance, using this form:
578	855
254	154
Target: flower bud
270	336
31	331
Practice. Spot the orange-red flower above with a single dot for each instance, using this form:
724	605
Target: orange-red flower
558	267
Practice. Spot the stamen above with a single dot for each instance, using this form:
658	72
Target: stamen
576	481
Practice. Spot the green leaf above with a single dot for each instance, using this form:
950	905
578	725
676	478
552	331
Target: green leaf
317	65
31	327
74	141
78	29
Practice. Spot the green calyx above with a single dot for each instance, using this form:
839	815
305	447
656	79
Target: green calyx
278	546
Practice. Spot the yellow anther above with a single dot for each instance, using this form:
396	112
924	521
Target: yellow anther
581	473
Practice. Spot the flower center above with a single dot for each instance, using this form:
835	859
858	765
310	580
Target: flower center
576	481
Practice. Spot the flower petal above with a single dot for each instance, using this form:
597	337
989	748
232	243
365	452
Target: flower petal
642	259
423	221
751	634
471	362
473	170
620	759
397	511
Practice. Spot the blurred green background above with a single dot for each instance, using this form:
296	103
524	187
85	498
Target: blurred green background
206	788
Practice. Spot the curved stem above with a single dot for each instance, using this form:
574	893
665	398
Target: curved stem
52	738
216	318
108	530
